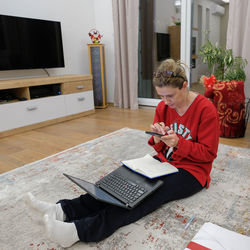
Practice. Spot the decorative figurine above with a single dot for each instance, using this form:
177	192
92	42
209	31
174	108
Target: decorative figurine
95	36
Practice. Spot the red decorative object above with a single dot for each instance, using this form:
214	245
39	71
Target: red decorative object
229	99
209	81
95	36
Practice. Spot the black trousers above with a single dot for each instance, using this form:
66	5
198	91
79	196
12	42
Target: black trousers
97	220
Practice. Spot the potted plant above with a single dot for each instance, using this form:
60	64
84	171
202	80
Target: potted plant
225	87
221	62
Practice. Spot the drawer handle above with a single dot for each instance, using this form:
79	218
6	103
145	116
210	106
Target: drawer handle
31	108
80	87
81	99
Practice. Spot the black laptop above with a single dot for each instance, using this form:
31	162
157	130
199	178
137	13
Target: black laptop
122	187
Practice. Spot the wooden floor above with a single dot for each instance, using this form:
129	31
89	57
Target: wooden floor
18	150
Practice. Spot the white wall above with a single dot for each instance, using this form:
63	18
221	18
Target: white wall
104	24
163	11
77	17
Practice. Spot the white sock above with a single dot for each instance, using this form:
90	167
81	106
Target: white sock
43	207
62	233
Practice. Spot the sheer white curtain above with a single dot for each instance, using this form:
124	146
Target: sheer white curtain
126	20
238	34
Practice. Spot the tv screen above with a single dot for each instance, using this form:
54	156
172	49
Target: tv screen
163	46
27	43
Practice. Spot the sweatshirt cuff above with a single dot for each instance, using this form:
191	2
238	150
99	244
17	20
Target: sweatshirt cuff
157	147
182	149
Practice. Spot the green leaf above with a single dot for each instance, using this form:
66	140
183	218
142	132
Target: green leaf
222	62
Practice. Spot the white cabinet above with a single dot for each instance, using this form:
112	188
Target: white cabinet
11	116
19	114
44	109
79	102
70	102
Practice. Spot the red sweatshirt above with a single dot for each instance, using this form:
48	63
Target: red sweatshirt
198	132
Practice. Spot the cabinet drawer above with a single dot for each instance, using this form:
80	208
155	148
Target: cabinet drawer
79	102
77	86
19	114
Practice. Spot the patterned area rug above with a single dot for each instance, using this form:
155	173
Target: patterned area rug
225	203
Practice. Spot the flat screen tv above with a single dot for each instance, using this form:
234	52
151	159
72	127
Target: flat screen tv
27	43
163	46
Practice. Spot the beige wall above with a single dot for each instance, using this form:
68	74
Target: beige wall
223	26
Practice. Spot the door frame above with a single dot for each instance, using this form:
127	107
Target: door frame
186	32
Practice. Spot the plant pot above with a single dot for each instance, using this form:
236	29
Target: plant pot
233	109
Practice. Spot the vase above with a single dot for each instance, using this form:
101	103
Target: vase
233	109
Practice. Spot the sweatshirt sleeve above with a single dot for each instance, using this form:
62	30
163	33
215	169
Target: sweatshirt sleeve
157	147
204	149
158	118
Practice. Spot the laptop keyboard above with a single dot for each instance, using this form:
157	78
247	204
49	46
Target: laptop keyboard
119	186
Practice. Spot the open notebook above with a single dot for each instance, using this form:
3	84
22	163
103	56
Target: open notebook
150	167
213	237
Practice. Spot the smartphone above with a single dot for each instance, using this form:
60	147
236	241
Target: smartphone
153	133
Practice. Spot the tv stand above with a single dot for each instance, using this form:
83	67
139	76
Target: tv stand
31	103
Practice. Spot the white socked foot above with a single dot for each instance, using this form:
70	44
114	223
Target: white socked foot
55	210
62	233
